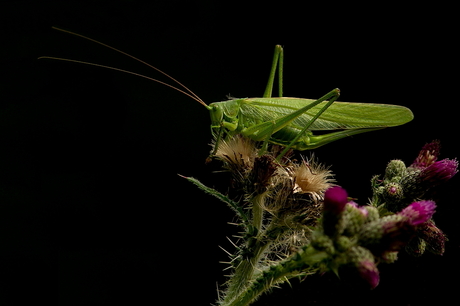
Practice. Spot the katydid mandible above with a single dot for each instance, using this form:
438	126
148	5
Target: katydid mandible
284	121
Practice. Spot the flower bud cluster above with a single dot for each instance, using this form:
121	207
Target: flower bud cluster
296	220
358	236
403	185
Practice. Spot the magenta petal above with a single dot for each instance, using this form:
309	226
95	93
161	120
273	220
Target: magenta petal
440	171
419	212
335	199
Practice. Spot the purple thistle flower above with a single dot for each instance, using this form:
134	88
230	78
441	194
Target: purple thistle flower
419	212
428	155
391	233
369	272
427	172
335	199
439	172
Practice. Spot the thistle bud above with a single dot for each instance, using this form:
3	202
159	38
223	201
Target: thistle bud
343	243
393	192
365	263
323	243
416	247
372	213
435	239
426	172
389	257
369	272
395	170
391	233
335	199
352	220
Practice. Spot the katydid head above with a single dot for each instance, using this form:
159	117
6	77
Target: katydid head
224	114
224	117
217	115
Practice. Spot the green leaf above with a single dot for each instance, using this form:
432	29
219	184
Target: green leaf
235	206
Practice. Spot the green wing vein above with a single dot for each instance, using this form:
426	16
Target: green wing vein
340	115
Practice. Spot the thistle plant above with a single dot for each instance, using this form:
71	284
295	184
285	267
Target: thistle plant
295	220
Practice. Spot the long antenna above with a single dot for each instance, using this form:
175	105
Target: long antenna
186	90
125	71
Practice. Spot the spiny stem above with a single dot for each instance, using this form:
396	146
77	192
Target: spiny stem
304	261
245	270
244	273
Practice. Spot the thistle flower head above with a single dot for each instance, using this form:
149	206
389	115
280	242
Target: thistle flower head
427	156
393	232
419	212
439	172
312	178
237	152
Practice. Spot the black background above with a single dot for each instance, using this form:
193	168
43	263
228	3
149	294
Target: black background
90	157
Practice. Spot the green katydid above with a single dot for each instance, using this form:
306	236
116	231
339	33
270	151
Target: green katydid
288	122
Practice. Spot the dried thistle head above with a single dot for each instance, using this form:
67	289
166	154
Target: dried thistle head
311	177
238	153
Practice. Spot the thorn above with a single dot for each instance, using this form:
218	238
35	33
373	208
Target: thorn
228	253
229	267
218	291
232	242
235	258
225	262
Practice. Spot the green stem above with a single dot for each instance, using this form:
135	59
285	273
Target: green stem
257	246
244	274
304	261
258	211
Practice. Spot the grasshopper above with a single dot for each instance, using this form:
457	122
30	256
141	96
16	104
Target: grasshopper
289	122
